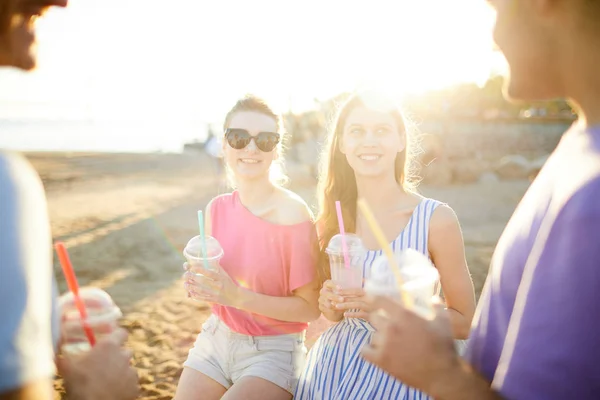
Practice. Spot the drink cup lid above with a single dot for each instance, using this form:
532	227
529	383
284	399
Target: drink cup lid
414	266
98	304
353	243
193	249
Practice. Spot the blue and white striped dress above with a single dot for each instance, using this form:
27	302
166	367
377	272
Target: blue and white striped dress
334	369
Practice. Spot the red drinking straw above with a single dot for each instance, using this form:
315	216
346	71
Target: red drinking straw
69	273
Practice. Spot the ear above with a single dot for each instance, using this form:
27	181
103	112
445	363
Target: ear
540	7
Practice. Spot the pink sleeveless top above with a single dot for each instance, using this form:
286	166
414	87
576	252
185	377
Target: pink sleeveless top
263	257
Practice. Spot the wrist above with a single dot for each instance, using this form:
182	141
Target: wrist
77	385
460	382
449	381
334	315
242	298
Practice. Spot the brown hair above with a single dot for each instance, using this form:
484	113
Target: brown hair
7	10
338	182
252	103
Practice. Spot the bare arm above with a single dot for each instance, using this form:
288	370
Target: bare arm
448	254
301	307
333	316
208	219
464	383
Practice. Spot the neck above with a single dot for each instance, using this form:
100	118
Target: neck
379	192
256	192
583	82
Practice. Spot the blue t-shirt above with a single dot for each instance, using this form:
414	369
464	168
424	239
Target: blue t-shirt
27	287
536	332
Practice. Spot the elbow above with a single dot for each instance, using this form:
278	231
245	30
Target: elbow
462	331
462	326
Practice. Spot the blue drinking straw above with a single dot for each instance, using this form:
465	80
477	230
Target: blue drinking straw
203	238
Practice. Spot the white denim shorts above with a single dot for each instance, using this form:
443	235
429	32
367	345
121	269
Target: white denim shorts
226	356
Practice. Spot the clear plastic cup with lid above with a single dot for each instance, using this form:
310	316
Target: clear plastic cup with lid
196	257
102	318
420	280
346	276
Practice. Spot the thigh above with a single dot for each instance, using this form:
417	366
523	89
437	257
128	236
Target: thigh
194	385
278	360
254	388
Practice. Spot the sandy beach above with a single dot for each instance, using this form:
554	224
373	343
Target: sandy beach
126	218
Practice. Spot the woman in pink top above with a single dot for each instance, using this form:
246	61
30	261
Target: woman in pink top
266	293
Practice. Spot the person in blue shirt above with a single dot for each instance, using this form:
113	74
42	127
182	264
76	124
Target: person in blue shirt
28	321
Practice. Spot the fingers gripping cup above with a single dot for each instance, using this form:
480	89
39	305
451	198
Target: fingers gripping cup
197	259
351	276
420	280
102	317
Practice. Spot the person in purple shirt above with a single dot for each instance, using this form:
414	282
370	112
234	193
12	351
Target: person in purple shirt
536	332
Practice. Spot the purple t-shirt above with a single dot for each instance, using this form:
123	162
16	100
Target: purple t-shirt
536	332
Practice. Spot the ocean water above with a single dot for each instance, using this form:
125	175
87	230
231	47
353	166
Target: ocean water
99	136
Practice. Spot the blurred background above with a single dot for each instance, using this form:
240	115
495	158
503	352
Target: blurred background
127	94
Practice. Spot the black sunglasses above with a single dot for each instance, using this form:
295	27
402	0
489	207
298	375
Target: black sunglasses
240	138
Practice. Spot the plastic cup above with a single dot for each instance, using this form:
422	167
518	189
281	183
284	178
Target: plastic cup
420	280
194	255
346	277
102	317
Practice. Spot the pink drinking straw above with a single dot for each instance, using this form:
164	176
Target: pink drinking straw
71	279
338	208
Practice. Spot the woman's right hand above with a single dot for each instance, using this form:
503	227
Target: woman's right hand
328	299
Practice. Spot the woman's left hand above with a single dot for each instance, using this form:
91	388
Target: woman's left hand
355	300
213	287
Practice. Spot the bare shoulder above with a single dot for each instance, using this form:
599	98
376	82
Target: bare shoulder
292	208
226	197
208	210
444	218
209	206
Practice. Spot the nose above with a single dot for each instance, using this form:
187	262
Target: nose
370	138
251	148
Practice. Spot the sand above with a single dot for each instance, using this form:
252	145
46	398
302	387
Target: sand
126	218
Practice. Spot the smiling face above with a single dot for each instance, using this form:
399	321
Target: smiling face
17	33
371	141
527	34
250	163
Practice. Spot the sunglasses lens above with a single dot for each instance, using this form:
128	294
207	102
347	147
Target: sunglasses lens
238	138
266	141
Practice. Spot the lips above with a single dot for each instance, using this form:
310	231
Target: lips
249	161
369	157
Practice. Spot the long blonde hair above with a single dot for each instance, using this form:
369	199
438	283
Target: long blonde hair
337	180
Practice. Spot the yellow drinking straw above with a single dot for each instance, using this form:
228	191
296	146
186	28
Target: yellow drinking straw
385	246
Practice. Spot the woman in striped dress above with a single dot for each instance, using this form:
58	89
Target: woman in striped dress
368	155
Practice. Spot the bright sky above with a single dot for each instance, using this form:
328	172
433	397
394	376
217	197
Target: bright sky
191	59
